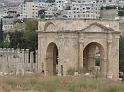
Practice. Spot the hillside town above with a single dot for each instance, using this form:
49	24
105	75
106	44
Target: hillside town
15	11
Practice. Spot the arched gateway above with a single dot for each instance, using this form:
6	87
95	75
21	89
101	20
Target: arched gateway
89	44
52	59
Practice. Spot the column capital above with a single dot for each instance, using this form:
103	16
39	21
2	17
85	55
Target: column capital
81	42
104	59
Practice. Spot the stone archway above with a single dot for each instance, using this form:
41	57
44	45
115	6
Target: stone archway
75	36
52	59
92	51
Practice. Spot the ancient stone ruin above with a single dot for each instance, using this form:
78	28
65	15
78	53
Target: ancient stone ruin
72	43
17	61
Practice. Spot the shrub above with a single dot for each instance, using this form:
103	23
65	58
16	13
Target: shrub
71	71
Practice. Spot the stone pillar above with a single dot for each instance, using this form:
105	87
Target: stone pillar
26	59
59	63
59	67
40	57
31	61
23	58
12	51
8	64
91	58
80	52
91	62
36	60
4	61
81	55
109	56
1	49
103	67
44	64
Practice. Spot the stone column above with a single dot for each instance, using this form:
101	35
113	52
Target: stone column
31	61
26	60
59	67
103	67
36	60
91	62
109	71
91	57
109	56
23	58
80	55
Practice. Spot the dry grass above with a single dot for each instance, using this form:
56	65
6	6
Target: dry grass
39	83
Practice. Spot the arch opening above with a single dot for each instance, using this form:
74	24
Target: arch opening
93	55
52	59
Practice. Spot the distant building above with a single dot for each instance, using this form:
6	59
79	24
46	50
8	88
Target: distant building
8	23
30	10
121	3
107	2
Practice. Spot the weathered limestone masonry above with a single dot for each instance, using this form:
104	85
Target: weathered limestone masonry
17	60
64	44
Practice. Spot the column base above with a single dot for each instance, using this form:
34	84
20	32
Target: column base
59	75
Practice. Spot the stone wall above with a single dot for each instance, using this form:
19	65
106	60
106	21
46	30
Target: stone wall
13	60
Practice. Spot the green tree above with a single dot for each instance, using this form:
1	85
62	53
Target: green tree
27	39
109	7
40	12
17	15
121	13
8	17
1	30
28	1
31	25
31	35
68	8
4	44
42	16
121	53
31	40
16	39
50	1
